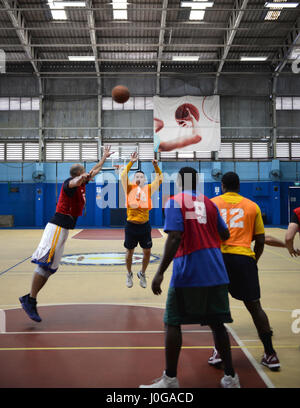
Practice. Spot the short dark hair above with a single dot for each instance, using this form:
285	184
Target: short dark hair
189	178
76	170
139	171
231	181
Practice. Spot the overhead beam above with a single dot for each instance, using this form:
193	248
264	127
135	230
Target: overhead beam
91	24
19	24
18	21
283	54
232	27
93	37
161	43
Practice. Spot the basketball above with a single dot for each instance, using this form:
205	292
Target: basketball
183	112
120	94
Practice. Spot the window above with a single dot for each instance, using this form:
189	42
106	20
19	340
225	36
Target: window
288	103
14	151
226	151
31	151
133	103
260	150
16	104
242	150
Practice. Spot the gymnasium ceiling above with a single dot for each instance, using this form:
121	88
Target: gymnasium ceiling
147	40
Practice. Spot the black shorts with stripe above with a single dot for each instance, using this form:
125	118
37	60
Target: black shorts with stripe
243	276
137	234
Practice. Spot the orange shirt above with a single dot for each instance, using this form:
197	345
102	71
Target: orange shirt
138	199
244	220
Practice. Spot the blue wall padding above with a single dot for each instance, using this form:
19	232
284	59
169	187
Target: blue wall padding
34	204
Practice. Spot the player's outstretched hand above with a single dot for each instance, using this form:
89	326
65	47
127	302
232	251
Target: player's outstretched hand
134	157
294	252
155	163
107	152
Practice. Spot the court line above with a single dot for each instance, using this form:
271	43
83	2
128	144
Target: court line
2	322
66	348
155	305
104	332
252	360
19	263
282	256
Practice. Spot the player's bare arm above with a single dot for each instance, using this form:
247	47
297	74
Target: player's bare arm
78	181
272	241
170	249
259	244
292	230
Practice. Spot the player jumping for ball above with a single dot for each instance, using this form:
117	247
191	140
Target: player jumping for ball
138	229
50	250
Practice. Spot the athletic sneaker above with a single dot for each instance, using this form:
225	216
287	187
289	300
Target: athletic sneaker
129	281
230	382
271	361
29	305
142	278
163	382
215	359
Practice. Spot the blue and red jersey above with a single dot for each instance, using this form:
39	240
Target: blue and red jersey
198	261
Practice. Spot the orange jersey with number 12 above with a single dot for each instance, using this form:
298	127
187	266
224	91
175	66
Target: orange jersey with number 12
244	220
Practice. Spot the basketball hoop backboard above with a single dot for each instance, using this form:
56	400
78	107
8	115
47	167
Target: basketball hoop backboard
121	156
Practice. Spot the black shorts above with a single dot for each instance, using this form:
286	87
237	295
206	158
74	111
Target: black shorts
243	276
137	234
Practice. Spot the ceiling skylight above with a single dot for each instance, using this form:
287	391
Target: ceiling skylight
277	6
120	9
185	58
246	58
81	58
57	6
197	12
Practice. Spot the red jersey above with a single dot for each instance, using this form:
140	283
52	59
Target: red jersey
71	203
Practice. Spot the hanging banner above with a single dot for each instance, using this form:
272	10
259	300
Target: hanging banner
187	123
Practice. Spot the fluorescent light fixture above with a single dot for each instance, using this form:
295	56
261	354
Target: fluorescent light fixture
62	4
281	5
120	9
57	14
198	8
295	54
197	5
185	58
253	58
197	14
120	14
119	4
81	58
55	7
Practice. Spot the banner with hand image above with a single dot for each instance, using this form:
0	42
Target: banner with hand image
187	123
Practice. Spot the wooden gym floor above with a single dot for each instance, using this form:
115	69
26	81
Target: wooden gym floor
91	320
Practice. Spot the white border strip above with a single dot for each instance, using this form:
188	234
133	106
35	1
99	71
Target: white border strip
2	321
252	360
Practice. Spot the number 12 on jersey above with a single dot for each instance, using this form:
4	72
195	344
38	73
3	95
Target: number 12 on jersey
236	216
